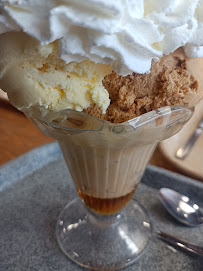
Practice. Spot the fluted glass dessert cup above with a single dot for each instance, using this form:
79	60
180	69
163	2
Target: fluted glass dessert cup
108	229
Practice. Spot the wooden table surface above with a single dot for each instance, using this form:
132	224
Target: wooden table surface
18	135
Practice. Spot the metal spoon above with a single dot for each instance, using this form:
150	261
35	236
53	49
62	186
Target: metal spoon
185	211
185	245
184	150
181	207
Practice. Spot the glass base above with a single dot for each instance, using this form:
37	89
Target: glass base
103	242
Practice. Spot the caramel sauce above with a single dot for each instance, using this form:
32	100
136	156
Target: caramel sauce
106	205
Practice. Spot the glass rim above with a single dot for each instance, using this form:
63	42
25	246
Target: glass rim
132	123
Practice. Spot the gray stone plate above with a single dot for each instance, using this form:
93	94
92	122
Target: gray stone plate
35	187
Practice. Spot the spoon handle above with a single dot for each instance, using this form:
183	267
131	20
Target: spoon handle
183	151
181	243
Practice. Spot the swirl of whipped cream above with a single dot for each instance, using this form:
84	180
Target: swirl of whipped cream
127	34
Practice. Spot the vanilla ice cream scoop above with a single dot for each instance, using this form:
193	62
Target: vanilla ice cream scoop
39	82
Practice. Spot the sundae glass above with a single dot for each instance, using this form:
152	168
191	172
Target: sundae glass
106	228
103	58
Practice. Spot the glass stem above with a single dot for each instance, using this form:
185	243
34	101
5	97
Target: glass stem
101	220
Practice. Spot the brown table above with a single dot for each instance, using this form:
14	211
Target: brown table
18	135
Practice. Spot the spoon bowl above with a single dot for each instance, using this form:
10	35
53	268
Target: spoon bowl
181	207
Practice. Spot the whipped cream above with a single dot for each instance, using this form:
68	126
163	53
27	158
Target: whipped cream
127	34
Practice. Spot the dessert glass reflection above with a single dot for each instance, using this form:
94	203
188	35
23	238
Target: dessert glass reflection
108	229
